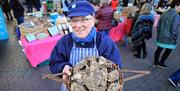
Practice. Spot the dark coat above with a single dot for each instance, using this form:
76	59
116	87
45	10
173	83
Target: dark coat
142	29
17	8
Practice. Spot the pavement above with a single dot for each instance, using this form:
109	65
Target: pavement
16	73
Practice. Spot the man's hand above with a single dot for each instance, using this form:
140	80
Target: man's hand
67	72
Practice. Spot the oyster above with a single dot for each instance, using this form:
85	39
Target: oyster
96	74
79	77
77	87
114	87
80	66
113	76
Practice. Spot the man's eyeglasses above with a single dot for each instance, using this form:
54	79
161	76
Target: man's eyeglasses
83	20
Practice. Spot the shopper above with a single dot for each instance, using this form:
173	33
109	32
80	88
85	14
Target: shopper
6	9
139	6
114	4
64	5
29	6
83	42
142	30
167	33
33	3
18	11
104	15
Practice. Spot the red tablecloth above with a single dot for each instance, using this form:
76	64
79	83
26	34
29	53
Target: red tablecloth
117	33
39	50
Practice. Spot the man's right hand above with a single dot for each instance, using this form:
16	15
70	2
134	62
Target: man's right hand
67	72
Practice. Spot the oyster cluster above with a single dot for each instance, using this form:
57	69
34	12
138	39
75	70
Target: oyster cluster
96	74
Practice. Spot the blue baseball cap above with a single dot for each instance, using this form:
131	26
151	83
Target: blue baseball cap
80	8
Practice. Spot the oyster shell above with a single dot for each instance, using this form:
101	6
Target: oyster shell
79	77
114	87
96	74
113	76
77	87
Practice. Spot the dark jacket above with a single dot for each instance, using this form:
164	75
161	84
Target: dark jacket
104	16
17	8
61	52
168	27
143	28
5	6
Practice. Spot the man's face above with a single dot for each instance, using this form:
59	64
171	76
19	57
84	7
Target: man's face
82	25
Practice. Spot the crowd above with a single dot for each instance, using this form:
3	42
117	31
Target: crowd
89	16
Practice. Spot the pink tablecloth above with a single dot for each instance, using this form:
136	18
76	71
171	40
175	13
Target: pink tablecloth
117	33
39	50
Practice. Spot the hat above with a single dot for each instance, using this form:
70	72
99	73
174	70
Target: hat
80	8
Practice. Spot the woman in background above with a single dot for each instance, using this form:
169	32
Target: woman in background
104	15
142	30
6	9
167	34
18	11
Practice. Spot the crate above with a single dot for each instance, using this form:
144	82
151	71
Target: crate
35	30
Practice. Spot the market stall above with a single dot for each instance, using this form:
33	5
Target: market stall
39	35
39	50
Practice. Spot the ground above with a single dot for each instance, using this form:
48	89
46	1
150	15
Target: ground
16	74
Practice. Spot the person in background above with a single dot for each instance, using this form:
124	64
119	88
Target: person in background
167	34
37	4
29	6
125	3
64	6
175	78
6	9
142	30
104	15
114	4
83	42
31	3
18	11
139	5
155	3
163	4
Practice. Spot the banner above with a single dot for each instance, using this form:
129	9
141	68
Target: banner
3	30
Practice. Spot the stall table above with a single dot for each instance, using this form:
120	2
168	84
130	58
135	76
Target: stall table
39	50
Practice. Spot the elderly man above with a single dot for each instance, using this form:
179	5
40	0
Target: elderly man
83	42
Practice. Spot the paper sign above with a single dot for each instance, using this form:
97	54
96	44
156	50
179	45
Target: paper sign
30	37
53	31
60	27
